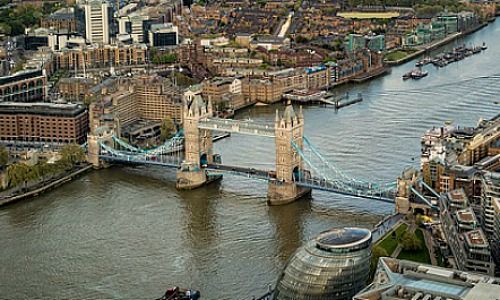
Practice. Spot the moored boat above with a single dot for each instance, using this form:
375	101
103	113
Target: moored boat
177	293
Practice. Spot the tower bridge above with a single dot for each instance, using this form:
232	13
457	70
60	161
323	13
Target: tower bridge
300	166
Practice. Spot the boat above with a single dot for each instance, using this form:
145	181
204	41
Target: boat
177	293
407	76
418	73
484	47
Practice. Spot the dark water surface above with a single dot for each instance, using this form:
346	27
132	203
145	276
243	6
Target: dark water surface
128	233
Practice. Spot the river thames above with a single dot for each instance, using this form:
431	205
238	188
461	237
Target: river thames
128	233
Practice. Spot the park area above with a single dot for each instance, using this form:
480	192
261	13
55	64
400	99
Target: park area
403	243
398	54
368	15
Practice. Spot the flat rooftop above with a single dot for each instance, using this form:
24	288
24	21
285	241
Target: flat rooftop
466	216
457	195
401	279
476	238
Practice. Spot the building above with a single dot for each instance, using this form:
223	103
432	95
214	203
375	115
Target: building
98	21
163	35
402	280
225	93
262	90
35	124
75	89
490	187
496	236
101	56
24	86
62	20
135	25
137	107
355	42
467	242
334	265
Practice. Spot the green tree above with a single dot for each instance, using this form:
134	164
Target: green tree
167	129
410	242
72	154
377	252
16	174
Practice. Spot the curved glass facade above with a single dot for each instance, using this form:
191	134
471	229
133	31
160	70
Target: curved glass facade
335	265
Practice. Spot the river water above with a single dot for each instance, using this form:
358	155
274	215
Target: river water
128	233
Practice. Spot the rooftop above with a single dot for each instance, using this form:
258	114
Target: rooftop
457	195
476	238
466	215
342	238
401	279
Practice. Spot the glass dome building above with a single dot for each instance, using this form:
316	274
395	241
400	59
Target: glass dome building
334	265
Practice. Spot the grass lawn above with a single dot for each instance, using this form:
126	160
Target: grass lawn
368	15
421	255
397	55
389	243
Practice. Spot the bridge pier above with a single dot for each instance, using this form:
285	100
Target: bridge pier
188	179
289	129
198	145
97	136
280	193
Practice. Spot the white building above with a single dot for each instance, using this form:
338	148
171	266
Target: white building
98	16
134	25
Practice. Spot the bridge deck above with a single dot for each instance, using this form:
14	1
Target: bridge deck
237	126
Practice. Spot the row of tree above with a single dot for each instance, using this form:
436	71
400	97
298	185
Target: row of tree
20	173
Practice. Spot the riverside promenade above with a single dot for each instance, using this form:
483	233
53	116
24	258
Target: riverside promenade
424	48
46	187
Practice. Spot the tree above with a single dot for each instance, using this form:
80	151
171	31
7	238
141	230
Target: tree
4	156
410	242
72	154
17	174
167	129
377	252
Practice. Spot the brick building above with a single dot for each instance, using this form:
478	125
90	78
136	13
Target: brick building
40	123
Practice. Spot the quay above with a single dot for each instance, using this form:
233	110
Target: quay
323	97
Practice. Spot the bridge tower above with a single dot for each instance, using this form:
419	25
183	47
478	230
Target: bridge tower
288	128
198	144
94	138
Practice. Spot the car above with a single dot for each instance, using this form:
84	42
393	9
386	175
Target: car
204	165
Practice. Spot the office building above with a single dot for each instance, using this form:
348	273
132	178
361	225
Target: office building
98	21
163	35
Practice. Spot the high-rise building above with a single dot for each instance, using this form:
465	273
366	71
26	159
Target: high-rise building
98	21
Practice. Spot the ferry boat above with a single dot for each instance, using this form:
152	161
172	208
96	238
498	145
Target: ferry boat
177	293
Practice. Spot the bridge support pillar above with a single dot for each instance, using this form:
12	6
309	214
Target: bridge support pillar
198	144
190	180
99	135
289	128
280	193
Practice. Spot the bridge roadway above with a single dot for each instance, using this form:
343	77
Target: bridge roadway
268	175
